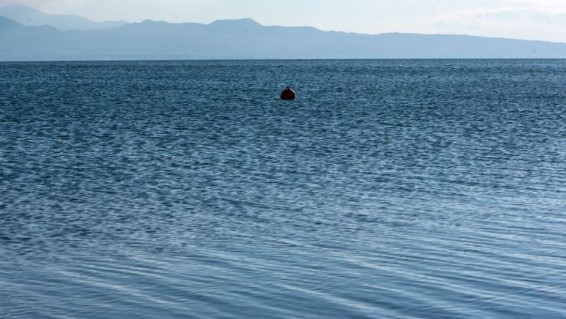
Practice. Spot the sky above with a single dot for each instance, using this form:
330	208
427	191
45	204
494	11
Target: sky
520	19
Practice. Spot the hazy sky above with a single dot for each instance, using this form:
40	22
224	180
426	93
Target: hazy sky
523	19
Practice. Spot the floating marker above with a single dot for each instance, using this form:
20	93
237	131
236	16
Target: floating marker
288	94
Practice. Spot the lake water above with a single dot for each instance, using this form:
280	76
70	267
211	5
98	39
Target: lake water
389	189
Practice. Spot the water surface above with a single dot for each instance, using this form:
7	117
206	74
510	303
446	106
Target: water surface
389	189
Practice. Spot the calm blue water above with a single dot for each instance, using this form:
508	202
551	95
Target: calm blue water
390	189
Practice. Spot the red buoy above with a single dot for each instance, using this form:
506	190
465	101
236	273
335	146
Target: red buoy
288	94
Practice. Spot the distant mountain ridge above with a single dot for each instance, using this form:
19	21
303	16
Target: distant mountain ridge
29	16
247	39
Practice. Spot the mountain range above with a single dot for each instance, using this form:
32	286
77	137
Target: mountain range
29	16
31	35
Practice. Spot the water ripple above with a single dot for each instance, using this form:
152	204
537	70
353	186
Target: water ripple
390	189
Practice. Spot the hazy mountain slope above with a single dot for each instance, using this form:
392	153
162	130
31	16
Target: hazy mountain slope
31	17
19	42
246	39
